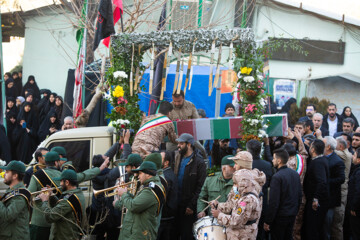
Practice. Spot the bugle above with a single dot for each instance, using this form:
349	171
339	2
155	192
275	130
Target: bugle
107	190
44	190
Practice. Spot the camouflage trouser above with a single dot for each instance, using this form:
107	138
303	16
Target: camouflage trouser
339	213
244	234
299	220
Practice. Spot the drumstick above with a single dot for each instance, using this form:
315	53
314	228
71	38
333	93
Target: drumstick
209	204
204	201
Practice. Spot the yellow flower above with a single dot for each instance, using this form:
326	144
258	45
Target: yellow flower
2	174
245	70
119	92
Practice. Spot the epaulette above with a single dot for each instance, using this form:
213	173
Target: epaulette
211	174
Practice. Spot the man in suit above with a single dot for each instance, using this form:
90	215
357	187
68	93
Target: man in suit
318	127
337	177
316	190
254	147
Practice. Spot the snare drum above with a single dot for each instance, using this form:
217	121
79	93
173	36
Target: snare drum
207	228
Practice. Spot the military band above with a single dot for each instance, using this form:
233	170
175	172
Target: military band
58	204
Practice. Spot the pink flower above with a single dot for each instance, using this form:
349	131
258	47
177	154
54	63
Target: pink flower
262	91
122	100
250	108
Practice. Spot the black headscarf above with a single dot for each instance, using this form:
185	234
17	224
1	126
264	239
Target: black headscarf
287	105
351	116
47	124
29	117
33	87
14	108
10	92
59	109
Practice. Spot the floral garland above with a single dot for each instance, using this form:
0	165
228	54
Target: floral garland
252	93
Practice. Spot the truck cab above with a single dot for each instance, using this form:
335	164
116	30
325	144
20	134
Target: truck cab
81	145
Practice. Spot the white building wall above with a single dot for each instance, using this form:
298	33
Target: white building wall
50	50
295	24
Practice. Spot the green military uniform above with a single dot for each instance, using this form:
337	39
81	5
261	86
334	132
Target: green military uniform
39	227
60	211
141	218
157	159
216	185
14	216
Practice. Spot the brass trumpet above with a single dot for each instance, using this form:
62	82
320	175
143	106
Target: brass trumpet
42	191
107	190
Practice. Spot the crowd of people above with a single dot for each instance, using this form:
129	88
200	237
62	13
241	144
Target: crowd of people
304	185
31	116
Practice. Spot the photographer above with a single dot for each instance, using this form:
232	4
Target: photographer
100	205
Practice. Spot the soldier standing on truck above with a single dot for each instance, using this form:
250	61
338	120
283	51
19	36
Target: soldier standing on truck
153	130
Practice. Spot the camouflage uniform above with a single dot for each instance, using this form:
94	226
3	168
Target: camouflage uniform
150	139
241	212
187	111
214	186
339	212
292	163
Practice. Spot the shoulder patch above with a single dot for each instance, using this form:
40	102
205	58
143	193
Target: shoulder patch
239	211
211	174
237	196
151	184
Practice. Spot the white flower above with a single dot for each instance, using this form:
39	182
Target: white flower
262	102
265	126
249	79
106	95
122	121
239	74
120	74
262	133
260	77
2	163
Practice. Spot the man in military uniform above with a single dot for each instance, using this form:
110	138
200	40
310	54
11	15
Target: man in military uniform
40	158
217	184
14	206
141	219
153	130
183	109
132	162
39	227
64	163
241	212
66	214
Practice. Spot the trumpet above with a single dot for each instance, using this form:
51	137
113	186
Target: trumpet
45	190
107	190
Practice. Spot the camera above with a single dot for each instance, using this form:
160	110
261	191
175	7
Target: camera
122	131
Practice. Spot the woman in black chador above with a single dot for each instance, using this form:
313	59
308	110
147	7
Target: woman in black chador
50	125
27	133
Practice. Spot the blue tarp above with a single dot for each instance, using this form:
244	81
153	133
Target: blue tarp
198	94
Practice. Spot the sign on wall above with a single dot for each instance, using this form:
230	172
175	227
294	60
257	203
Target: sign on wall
284	89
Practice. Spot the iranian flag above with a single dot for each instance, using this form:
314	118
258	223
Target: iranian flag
80	69
226	128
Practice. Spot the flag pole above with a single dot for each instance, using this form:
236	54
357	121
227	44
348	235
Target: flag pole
83	66
3	97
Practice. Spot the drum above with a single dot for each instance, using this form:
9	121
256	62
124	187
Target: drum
207	228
